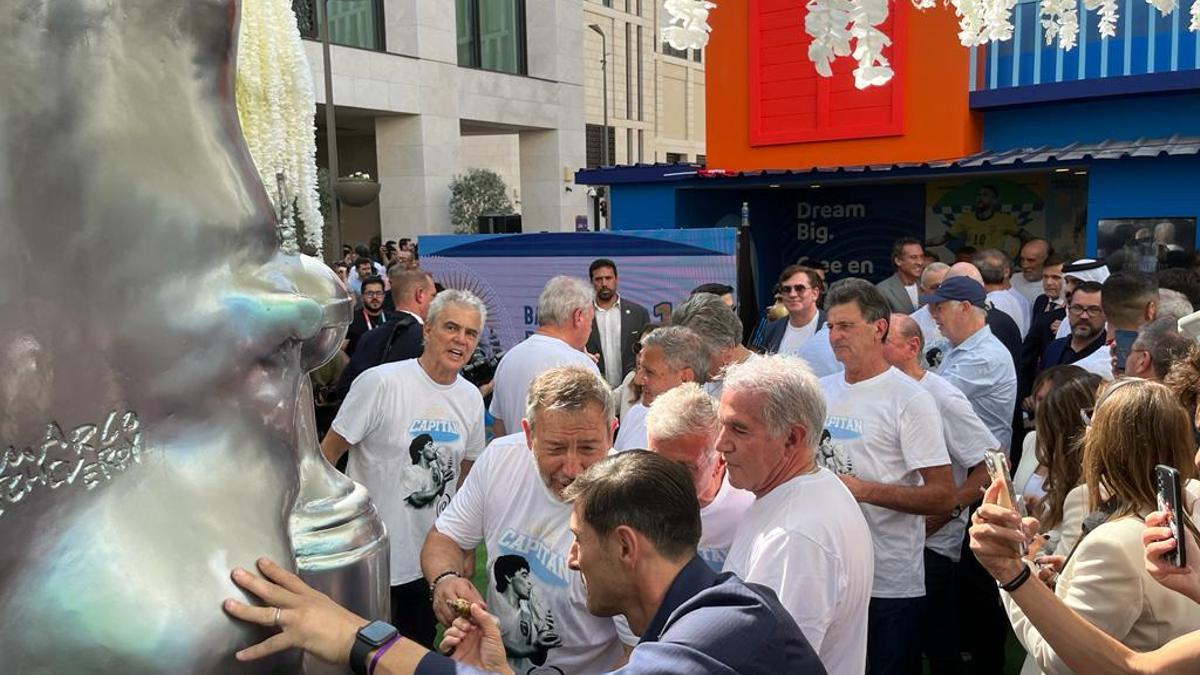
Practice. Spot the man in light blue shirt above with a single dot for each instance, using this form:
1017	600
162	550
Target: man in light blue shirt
977	362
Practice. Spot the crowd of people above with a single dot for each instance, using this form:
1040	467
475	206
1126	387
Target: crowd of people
884	476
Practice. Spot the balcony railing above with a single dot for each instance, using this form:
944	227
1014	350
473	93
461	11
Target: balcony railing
353	23
1146	43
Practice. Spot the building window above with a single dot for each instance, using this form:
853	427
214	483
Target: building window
628	71
608	3
629	146
491	35
640	110
351	22
641	145
676	158
702	160
696	56
595	147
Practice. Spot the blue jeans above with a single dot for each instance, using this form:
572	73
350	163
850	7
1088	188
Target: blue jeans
893	636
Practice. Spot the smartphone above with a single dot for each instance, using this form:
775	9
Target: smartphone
1170	500
997	467
1123	345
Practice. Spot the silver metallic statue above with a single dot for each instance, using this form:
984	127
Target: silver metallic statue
155	413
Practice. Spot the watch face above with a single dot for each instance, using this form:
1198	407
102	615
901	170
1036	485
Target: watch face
377	632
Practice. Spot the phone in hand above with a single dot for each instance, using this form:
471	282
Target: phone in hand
997	467
1170	500
1123	346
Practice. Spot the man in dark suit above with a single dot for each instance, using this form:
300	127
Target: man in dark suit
636	523
617	326
1087	317
800	288
900	289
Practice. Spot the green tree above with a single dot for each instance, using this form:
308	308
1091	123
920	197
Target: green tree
475	193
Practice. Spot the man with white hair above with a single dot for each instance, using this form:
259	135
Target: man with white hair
564	313
670	356
716	323
1159	345
416	427
1032	259
805	536
682	425
996	271
514	503
931	278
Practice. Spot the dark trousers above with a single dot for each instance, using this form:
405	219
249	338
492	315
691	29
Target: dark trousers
412	612
939	631
982	621
893	634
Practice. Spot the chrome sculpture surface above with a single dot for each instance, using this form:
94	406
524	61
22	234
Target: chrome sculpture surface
155	412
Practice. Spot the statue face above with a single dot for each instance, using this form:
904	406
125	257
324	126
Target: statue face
156	424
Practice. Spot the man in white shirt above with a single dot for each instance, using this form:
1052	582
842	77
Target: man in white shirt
996	272
1031	260
716	323
564	315
513	503
682	425
883	436
967	438
804	537
799	288
415	428
931	279
670	356
618	324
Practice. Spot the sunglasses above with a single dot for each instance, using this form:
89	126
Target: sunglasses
787	289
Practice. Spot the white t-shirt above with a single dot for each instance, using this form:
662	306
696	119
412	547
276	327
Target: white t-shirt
520	365
884	430
1014	305
794	338
1098	362
807	540
632	434
1030	290
967	437
392	411
818	354
720	521
913	295
505	504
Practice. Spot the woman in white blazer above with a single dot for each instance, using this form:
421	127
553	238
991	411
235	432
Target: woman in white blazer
1136	424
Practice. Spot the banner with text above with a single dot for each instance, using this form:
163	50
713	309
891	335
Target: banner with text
656	269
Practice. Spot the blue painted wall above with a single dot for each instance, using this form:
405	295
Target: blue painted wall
649	206
1092	121
1142	188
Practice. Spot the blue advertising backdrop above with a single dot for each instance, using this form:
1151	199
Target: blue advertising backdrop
849	227
656	269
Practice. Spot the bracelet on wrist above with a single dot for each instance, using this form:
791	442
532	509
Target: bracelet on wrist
1017	581
436	580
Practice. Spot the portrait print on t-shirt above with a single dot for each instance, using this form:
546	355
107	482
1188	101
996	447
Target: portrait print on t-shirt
436	465
830	452
526	622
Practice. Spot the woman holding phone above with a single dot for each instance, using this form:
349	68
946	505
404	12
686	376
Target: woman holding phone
1134	426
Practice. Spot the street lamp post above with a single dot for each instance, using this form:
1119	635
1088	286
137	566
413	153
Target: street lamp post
603	192
331	150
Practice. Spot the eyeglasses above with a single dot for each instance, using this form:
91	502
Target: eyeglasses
1093	310
372	294
787	290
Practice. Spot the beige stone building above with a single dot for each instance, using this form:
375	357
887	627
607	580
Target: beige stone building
656	93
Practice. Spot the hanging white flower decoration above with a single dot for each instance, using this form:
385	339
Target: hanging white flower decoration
1060	18
688	27
276	107
1194	26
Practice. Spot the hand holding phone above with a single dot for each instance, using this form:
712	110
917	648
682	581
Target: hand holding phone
997	468
1170	501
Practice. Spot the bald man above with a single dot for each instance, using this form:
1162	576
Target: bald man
967	438
1032	260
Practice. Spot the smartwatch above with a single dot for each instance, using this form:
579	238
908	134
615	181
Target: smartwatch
369	638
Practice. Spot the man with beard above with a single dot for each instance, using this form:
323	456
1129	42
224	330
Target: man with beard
368	314
513	502
401	420
1087	318
617	324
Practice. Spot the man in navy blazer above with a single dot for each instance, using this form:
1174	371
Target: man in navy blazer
800	289
636	523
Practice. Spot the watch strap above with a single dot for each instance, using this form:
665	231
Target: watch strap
1017	581
358	655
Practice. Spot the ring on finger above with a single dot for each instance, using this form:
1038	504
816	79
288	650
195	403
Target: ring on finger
278	612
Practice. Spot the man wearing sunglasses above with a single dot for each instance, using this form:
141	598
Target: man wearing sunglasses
799	288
